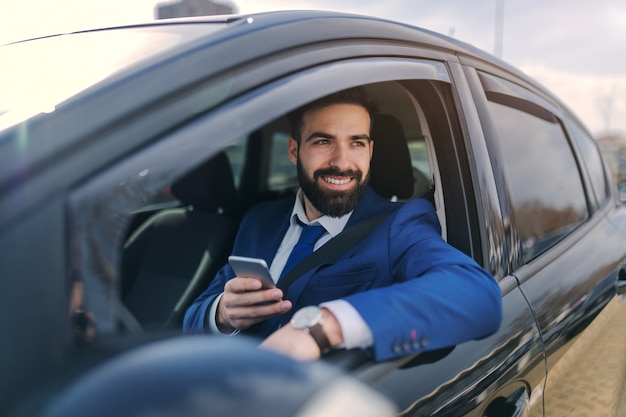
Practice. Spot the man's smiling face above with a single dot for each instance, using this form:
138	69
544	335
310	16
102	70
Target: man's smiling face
333	158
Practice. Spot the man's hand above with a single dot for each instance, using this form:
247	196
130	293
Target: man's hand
293	342
299	344
244	304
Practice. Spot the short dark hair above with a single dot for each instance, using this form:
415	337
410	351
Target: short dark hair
355	95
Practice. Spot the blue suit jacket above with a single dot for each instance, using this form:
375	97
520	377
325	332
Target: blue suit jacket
414	290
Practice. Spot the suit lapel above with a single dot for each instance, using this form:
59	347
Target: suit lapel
272	230
371	205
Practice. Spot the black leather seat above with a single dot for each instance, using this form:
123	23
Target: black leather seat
171	258
392	173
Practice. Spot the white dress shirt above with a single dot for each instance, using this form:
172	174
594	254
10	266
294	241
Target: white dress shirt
356	333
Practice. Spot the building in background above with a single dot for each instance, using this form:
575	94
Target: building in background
613	147
187	8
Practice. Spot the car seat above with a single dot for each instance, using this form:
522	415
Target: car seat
392	173
170	259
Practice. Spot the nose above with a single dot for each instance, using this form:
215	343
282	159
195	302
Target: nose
340	156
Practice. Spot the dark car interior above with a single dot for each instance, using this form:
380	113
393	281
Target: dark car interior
172	253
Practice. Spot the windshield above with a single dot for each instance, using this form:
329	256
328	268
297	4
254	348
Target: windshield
39	74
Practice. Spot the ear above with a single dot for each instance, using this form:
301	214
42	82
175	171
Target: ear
292	150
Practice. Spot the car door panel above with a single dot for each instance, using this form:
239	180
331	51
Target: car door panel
574	298
476	375
569	274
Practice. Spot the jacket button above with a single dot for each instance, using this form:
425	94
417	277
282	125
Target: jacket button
424	342
396	348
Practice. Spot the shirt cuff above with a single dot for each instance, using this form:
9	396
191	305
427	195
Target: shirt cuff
213	322
356	333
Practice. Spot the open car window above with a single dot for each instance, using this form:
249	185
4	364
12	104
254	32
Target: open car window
162	222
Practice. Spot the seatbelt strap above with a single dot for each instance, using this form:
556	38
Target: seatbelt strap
332	250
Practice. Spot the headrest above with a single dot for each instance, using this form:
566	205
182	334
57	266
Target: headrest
391	168
209	187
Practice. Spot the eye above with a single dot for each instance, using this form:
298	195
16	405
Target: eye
322	142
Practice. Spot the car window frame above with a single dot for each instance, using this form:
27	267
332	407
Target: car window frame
100	258
515	92
595	201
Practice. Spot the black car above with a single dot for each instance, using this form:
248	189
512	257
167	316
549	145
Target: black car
128	156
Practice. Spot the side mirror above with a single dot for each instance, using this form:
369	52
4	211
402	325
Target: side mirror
208	376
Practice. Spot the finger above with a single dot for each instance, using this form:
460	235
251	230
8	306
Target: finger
249	298
244	317
233	296
242	284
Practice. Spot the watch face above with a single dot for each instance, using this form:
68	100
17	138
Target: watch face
306	317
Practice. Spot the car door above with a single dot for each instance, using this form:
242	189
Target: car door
565	248
467	379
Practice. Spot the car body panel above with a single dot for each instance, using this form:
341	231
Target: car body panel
514	355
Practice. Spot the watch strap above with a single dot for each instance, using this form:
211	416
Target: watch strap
317	333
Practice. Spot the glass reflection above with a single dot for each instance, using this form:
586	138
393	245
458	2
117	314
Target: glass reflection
543	178
38	75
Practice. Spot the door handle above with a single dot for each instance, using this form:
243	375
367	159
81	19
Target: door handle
514	405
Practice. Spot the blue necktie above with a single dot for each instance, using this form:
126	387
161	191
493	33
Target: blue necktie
304	247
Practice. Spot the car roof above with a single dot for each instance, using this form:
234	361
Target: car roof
336	25
236	39
272	33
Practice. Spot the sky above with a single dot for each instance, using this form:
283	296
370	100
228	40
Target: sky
576	48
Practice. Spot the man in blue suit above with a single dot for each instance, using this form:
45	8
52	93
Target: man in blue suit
400	290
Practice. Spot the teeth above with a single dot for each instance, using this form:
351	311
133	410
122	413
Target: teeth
338	182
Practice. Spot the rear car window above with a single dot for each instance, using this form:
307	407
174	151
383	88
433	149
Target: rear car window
542	176
594	165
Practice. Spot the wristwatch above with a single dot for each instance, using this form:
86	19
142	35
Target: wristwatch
310	319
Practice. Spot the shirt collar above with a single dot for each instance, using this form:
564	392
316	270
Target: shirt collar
333	225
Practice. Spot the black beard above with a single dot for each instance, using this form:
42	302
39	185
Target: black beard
332	203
